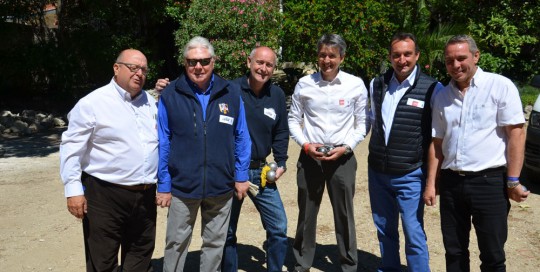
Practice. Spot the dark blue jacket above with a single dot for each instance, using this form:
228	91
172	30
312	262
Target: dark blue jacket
201	158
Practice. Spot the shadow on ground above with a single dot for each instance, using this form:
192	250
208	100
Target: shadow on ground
253	259
40	144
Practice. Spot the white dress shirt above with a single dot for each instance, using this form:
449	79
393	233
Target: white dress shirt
329	113
112	137
471	126
393	95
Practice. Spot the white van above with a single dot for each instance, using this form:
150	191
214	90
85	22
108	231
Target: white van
532	145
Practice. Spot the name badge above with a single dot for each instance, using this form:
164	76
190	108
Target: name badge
415	103
270	113
226	119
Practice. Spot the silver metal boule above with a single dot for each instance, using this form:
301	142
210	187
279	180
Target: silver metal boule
273	166
271	176
322	149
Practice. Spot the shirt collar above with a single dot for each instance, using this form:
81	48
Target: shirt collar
198	90
337	80
476	80
124	94
409	80
244	84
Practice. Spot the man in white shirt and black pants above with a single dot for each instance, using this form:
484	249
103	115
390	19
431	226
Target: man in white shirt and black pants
328	111
108	163
478	143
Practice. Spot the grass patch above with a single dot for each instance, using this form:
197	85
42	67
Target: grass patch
528	94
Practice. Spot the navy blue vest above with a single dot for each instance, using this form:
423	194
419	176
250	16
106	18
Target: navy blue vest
201	158
410	134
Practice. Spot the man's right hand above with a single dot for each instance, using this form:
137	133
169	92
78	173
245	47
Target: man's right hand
161	84
77	206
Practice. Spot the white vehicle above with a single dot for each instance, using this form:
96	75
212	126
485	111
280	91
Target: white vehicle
532	145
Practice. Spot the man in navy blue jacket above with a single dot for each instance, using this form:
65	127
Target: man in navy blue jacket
269	131
204	153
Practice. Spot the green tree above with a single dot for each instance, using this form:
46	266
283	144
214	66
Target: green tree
365	26
234	27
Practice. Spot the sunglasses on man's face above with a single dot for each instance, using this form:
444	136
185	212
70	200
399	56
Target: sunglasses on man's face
203	62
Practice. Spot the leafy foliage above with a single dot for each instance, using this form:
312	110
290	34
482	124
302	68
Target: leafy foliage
234	27
363	25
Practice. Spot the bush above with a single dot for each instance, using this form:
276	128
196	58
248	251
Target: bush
234	27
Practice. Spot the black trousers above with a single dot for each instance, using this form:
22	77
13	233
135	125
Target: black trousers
482	199
339	177
118	217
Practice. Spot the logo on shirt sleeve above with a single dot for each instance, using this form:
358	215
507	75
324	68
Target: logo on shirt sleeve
224	108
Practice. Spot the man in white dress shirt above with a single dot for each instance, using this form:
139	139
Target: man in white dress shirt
108	163
328	110
478	143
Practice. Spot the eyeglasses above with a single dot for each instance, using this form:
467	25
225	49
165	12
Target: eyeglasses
203	62
134	68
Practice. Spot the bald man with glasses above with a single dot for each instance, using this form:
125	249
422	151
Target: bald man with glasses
108	163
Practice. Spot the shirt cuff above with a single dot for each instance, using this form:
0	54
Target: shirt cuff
163	187
73	189
242	176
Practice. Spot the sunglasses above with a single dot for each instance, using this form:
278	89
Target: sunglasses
193	62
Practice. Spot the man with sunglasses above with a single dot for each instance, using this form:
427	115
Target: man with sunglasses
108	163
204	153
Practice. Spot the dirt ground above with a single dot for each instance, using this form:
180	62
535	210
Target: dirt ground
38	234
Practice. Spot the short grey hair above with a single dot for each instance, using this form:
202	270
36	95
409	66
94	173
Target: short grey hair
255	50
332	40
462	38
199	42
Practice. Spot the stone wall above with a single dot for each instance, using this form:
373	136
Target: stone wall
28	122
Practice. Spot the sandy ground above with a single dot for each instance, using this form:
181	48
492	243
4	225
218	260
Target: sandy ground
38	234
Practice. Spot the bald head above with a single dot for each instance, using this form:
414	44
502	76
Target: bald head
261	62
130	71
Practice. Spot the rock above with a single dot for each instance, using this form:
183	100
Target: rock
6	113
58	122
28	113
33	128
7	120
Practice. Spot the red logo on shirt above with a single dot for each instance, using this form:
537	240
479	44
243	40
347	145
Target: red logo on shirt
415	103
342	102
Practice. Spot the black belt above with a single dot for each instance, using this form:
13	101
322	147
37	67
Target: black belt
256	164
138	187
477	173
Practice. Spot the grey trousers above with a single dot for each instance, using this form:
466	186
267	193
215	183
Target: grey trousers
339	177
215	214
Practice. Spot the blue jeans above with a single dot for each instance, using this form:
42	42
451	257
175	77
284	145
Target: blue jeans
392	196
274	220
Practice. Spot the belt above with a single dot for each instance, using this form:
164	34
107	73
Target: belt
256	164
477	173
139	187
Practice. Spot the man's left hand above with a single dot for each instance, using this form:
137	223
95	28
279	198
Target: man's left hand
335	153
517	193
241	189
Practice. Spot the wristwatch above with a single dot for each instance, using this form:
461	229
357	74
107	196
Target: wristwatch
348	150
512	184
